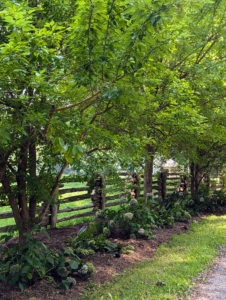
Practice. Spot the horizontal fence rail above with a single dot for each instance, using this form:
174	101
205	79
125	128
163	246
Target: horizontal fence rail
78	200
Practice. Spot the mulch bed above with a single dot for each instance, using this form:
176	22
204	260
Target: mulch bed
106	264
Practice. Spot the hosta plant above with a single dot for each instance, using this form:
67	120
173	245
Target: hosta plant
92	238
34	261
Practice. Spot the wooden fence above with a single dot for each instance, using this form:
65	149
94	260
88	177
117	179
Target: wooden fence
85	200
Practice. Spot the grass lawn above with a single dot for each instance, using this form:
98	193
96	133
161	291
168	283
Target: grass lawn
169	274
6	222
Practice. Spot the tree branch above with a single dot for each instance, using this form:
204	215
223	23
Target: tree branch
77	103
52	193
98	149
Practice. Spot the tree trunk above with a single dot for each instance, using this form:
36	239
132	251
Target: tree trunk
14	205
32	171
26	224
148	172
192	171
195	178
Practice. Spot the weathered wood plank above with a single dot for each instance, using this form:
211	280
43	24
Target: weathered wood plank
75	198
7	228
6	215
113	203
173	174
70	209
112	197
86	214
73	190
155	187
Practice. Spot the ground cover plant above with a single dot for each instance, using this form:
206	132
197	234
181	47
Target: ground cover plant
24	265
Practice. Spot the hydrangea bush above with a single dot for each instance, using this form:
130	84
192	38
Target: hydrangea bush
202	201
132	216
136	217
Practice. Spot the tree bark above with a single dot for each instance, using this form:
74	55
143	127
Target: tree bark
195	178
22	194
32	171
148	172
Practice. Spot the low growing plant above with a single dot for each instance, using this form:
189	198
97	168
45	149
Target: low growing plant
23	265
91	239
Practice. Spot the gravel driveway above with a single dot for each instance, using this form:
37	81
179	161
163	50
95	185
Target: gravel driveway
214	287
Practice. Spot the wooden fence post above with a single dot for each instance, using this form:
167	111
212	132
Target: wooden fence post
98	193
102	198
136	182
162	184
183	188
54	210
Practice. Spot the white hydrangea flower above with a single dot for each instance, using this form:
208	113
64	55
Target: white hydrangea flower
99	213
106	231
133	202
128	216
111	223
123	199
201	199
141	231
84	269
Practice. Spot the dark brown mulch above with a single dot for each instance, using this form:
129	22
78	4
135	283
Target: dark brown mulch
106	265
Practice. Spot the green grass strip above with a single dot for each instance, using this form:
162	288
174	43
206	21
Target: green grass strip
172	268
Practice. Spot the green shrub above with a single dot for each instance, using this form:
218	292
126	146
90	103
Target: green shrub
132	216
202	202
23	265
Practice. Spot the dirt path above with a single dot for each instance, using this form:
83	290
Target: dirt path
214	287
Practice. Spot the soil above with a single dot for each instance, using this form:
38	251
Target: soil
106	264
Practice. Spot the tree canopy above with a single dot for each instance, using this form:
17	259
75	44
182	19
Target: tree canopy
80	77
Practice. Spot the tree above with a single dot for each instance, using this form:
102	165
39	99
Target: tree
184	83
59	73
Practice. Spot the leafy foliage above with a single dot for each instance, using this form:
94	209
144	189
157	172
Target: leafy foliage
90	239
34	261
203	202
182	206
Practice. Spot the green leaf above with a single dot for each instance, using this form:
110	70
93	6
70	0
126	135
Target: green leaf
50	260
21	286
25	269
29	260
3	278
73	264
